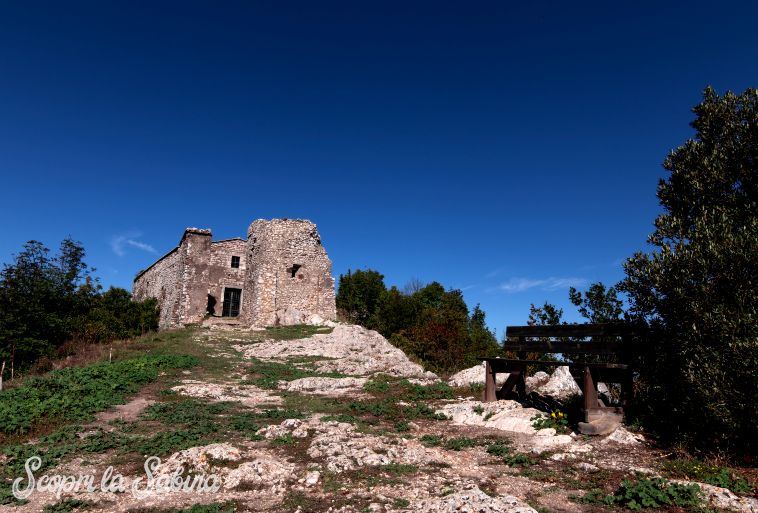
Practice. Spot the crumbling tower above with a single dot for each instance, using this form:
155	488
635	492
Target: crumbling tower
289	277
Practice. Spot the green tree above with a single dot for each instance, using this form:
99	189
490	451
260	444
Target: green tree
546	314
598	304
698	288
40	296
359	293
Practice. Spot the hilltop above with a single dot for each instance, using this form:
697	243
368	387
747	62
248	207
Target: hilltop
316	418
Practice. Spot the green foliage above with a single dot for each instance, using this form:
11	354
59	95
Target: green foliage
67	506
544	315
427	322
431	440
398	468
698	289
460	443
518	460
295	332
598	304
358	295
76	393
114	315
500	448
649	493
697	470
267	374
556	420
47	299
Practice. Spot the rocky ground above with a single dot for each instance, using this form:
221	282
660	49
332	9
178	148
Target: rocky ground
341	421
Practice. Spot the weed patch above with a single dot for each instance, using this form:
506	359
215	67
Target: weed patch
76	393
648	493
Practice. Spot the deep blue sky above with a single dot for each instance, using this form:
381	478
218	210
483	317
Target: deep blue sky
504	149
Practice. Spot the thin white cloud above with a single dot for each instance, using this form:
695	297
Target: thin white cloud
552	283
119	243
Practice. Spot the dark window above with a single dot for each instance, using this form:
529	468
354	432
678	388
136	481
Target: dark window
231	306
235	261
294	269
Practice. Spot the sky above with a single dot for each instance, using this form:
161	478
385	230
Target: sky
507	150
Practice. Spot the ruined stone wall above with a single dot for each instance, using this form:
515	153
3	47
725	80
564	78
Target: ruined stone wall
289	274
221	272
161	281
195	260
284	274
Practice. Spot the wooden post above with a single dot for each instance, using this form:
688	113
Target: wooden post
590	394
489	383
2	371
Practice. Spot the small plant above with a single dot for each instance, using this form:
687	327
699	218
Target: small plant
457	444
556	420
518	460
711	474
489	415
402	427
285	439
431	440
501	449
401	503
67	506
648	493
399	468
478	409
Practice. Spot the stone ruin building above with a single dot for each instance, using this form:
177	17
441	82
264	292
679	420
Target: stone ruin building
280	275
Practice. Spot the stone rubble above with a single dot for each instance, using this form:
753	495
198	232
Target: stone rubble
472	500
342	448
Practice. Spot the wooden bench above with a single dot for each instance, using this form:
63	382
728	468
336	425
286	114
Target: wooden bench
567	339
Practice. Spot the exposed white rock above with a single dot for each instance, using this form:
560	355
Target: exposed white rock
472	501
342	448
265	470
622	436
324	386
473	376
561	385
348	349
312	478
503	415
295	427
199	459
726	499
536	380
249	395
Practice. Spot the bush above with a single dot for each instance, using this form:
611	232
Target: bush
698	289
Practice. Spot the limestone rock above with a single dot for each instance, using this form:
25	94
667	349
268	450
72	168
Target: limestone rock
473	375
537	380
348	349
324	386
472	501
561	386
624	437
289	317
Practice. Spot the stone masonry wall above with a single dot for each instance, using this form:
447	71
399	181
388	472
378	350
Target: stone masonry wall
195	257
289	277
161	282
284	274
221	272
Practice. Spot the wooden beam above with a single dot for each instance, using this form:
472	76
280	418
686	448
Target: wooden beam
547	346
490	383
574	330
590	393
